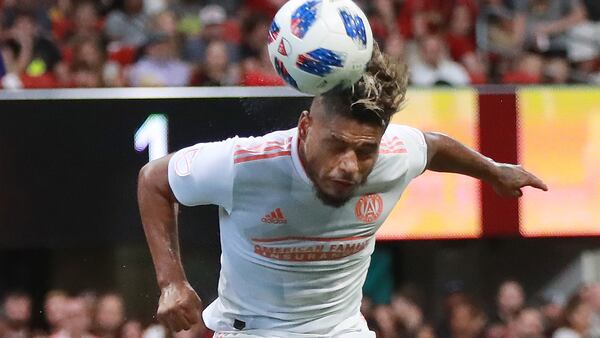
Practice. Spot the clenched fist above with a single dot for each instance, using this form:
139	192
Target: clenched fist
179	306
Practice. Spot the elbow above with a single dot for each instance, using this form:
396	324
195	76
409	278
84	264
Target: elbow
145	175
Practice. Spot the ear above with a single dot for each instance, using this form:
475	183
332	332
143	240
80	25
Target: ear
304	124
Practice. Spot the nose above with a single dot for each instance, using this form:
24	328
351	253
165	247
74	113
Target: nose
349	164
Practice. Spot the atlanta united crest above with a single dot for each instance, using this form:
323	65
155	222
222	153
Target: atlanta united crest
183	165
369	208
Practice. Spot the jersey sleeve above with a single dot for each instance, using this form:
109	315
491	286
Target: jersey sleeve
204	174
416	148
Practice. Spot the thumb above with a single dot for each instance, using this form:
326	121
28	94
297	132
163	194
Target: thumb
517	193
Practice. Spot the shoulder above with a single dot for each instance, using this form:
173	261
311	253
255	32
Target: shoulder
273	145
397	134
402	150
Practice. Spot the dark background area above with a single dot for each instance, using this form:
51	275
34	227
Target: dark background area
69	217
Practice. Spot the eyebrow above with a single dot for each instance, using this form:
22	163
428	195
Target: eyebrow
362	142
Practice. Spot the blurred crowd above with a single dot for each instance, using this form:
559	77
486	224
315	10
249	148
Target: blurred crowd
116	43
512	315
84	315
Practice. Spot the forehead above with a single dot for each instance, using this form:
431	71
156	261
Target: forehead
338	125
350	130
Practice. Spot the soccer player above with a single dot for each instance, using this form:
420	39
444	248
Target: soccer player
299	209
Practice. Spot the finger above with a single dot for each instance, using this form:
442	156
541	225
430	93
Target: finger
536	182
177	322
517	193
192	314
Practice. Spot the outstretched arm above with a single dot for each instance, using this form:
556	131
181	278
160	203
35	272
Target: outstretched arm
179	305
445	154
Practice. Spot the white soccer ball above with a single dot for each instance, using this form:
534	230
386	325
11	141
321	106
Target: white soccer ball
316	45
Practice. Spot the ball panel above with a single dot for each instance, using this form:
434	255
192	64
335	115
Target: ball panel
355	27
283	72
320	61
304	17
273	31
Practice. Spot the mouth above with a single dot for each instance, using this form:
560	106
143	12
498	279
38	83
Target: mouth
342	185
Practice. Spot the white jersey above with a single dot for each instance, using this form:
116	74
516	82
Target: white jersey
289	262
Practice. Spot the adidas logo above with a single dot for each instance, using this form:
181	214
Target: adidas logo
274	217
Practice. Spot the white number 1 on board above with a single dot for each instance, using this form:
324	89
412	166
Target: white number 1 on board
153	134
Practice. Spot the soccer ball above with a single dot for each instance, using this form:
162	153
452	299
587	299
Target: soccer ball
317	45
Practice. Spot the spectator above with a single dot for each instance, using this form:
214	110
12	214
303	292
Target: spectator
583	40
54	310
259	71
88	52
407	312
36	8
132	329
212	21
467	320
217	70
60	17
593	299
551	309
426	331
528	324
385	322
509	301
542	24
84	76
461	43
3	327
499	23
433	66
159	66
556	71
87	23
12	62
395	47
268	8
38	55
418	18
254	31
77	320
528	70
109	316
454	294
129	26
17	312
576	320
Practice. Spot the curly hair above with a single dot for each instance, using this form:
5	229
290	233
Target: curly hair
378	94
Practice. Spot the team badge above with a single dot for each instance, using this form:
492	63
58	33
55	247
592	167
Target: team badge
369	208
183	165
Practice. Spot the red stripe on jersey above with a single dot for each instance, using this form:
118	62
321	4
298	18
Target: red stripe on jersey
315	239
262	156
260	150
263	147
393	151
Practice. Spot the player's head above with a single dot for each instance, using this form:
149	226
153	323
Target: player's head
340	135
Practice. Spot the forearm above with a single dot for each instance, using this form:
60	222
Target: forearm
576	16
158	210
448	155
